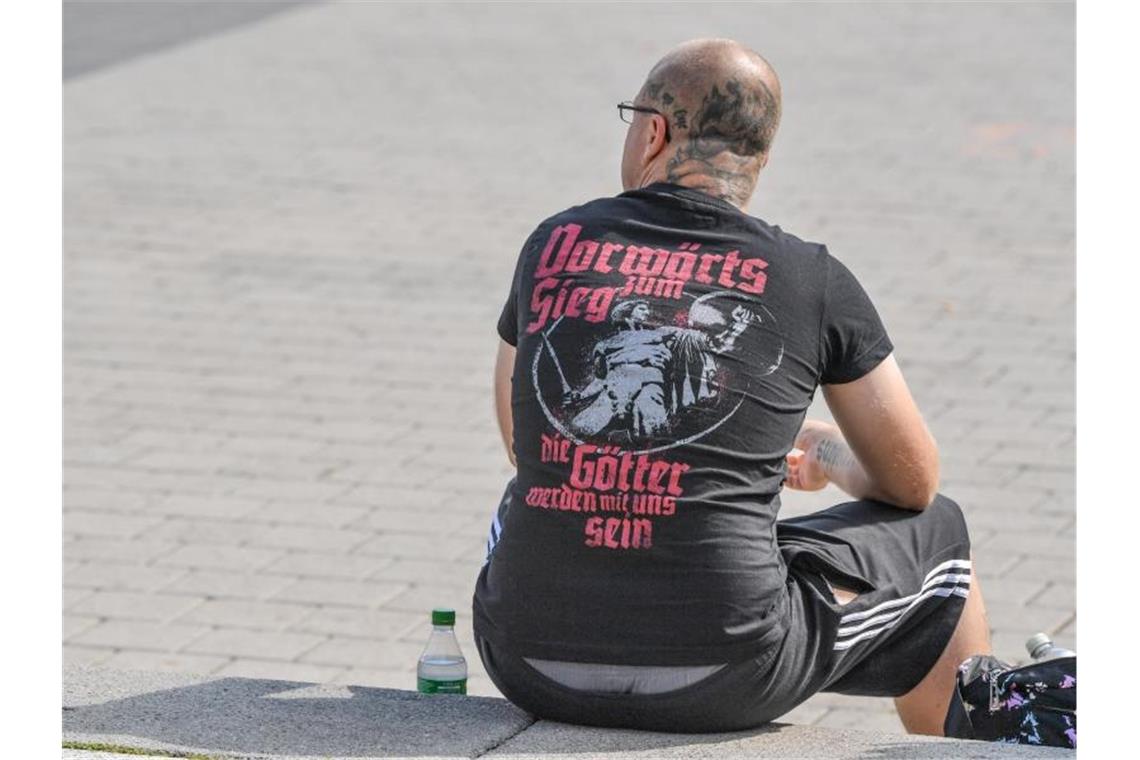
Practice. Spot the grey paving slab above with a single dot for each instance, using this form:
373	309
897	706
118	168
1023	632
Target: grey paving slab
366	653
310	537
415	546
241	717
72	596
266	399
205	531
363	623
176	662
97	33
135	605
87	523
216	556
327	516
234	642
109	576
547	739
289	671
350	593
117	549
247	613
202	506
225	584
73	625
140	635
81	656
421	597
388	678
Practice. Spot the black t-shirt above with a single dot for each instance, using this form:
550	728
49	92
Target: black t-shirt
669	346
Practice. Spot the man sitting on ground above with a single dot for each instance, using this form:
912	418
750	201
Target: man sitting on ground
659	352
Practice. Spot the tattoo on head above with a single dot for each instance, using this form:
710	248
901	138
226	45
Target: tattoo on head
656	92
730	131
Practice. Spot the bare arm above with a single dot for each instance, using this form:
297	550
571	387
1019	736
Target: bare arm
881	448
504	370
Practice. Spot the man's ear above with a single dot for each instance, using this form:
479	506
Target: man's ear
655	138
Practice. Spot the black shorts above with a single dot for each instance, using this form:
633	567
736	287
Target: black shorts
912	573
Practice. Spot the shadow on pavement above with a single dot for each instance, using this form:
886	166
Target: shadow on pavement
291	718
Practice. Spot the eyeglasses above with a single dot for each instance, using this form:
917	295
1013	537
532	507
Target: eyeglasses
626	111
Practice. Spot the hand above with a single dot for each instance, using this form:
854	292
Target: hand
804	470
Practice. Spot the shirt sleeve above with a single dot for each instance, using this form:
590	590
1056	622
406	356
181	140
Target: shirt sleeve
853	340
509	317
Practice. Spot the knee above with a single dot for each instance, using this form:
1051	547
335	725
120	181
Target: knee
949	511
944	503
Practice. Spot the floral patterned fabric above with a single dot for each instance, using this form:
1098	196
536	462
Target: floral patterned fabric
1033	704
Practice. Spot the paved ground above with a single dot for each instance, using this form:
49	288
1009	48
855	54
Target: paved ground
286	244
101	33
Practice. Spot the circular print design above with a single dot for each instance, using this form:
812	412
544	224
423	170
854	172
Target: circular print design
656	376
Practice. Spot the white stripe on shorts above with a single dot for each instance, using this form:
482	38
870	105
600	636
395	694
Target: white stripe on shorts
940	591
493	536
885	614
954	564
882	617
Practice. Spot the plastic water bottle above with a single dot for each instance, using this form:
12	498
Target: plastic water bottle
442	668
1041	647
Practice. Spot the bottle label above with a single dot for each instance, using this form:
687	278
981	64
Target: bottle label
432	686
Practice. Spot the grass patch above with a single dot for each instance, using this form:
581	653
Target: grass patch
119	749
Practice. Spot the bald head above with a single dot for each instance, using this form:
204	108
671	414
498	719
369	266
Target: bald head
722	104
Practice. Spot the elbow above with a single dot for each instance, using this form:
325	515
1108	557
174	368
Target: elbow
917	492
915	496
918	497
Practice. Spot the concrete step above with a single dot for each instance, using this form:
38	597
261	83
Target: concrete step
110	714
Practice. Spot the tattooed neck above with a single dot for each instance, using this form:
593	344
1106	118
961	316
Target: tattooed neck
724	184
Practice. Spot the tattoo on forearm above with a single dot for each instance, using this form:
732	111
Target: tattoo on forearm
835	457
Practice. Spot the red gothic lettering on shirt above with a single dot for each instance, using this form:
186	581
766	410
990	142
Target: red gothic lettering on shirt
644	270
607	468
619	533
627	489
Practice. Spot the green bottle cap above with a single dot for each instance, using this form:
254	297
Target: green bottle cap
443	616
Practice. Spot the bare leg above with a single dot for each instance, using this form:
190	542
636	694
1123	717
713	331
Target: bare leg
842	595
923	709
